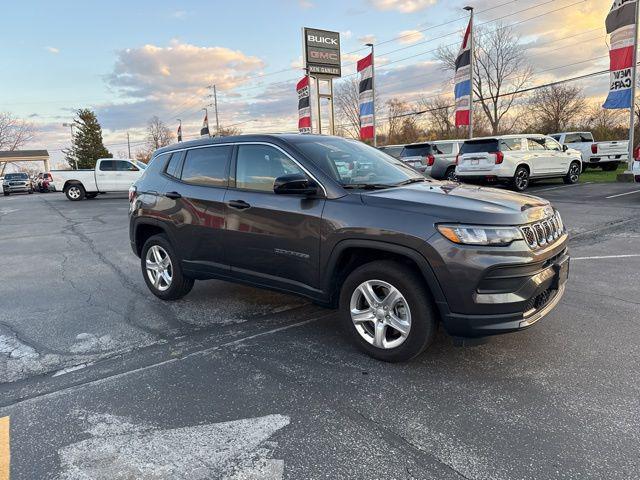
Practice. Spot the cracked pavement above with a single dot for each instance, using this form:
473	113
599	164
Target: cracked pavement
98	376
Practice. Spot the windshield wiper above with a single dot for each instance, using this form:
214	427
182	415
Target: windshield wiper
411	180
366	186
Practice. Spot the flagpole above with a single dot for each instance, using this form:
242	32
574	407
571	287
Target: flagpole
471	63
373	93
632	108
206	116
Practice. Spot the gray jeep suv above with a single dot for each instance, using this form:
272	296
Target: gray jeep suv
351	228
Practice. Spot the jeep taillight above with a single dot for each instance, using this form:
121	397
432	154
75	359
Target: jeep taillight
594	148
499	157
430	160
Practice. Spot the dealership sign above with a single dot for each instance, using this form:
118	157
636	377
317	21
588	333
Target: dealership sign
322	52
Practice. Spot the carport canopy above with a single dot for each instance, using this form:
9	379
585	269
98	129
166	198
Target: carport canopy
13	156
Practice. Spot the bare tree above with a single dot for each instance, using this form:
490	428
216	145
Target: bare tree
14	133
605	124
158	134
556	107
229	131
402	124
500	68
439	113
347	104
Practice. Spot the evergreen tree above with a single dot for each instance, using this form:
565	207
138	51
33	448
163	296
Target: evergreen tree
87	146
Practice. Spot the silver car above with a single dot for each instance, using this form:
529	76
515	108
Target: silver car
16	183
444	161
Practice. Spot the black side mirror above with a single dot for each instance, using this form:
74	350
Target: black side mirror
564	148
295	184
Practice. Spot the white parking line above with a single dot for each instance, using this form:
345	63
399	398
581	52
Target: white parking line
561	186
623	194
605	257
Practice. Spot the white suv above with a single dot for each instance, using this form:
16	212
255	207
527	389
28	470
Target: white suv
516	160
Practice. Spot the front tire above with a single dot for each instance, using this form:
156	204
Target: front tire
75	192
162	270
521	179
573	175
387	311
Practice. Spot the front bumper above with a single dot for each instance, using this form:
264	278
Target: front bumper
489	291
16	189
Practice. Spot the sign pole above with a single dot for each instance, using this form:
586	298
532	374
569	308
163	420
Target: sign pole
632	108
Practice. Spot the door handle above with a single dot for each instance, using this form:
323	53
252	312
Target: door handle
238	204
173	195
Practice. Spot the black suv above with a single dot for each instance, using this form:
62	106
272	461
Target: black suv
349	227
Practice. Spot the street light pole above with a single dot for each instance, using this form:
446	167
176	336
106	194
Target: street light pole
129	145
70	125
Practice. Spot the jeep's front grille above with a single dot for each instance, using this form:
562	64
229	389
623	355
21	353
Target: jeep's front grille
545	232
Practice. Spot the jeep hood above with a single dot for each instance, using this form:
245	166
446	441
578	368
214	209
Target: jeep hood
458	203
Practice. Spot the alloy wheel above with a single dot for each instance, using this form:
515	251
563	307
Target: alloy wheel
574	172
74	192
159	268
522	179
380	314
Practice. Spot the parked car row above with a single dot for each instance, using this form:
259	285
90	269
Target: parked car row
515	160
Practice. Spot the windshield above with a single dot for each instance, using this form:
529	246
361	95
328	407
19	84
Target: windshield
16	176
351	162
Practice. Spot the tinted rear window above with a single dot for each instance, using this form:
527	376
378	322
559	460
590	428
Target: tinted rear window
416	151
479	146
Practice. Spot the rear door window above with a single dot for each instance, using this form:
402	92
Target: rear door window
510	144
445	148
535	144
207	166
122	166
107	166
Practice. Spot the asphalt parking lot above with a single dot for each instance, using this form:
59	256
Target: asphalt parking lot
101	380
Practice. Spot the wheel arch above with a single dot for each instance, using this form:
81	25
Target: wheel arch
68	183
348	255
145	229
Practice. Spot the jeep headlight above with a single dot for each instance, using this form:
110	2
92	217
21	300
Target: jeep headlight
480	235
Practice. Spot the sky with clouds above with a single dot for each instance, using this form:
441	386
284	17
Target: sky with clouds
129	60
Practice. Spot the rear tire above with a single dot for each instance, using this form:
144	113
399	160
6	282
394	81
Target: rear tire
521	179
573	175
408	306
91	195
610	167
6	194
450	174
163	277
75	192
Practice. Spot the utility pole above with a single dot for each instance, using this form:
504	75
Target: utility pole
373	93
471	66
215	105
70	125
129	145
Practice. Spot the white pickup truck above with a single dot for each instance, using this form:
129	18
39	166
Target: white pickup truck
110	175
607	155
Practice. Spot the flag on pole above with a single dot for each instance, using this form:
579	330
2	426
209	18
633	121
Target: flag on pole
365	95
180	132
304	105
205	125
463	80
621	25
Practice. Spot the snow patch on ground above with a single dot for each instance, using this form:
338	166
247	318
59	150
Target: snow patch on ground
120	449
